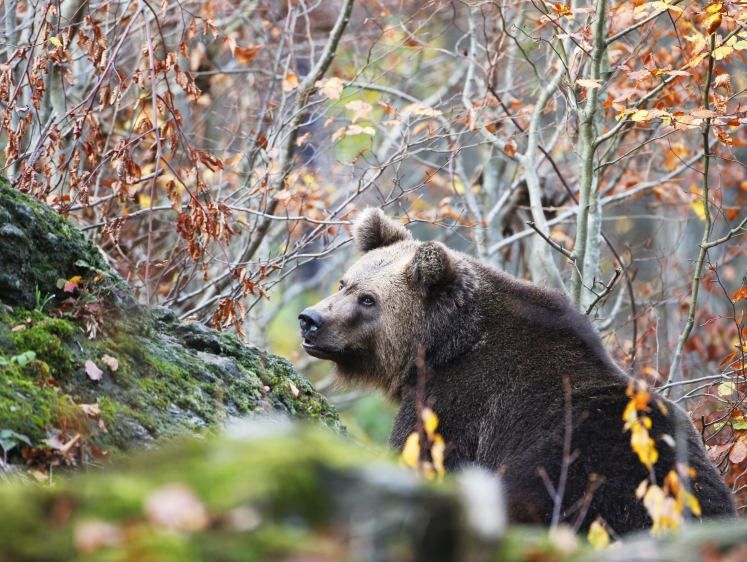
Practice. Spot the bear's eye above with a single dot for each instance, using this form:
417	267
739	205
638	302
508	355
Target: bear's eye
367	300
342	284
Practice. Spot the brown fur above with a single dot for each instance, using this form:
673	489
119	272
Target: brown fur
499	349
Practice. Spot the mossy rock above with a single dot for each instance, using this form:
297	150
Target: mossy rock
38	247
267	492
169	377
281	492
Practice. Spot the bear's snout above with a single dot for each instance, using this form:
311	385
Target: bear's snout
310	321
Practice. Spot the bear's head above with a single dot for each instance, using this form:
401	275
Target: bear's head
400	295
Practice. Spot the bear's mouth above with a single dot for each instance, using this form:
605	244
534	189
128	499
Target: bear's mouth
315	350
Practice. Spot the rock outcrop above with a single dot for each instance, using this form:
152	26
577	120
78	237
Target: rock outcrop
144	376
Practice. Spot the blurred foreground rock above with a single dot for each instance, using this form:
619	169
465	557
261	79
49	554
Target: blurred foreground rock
282	492
68	399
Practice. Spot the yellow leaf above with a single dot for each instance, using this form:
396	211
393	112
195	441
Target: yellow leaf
722	52
727	389
640	115
411	451
697	206
56	42
437	454
662	509
430	422
693	504
712	22
630	415
598	536
642	444
663	6
623	113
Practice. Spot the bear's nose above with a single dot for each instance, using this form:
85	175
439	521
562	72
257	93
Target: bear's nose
310	321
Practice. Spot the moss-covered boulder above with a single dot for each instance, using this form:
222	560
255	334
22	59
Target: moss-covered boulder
283	492
38	247
85	370
269	492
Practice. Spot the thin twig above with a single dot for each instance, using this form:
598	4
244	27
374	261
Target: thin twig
607	289
552	243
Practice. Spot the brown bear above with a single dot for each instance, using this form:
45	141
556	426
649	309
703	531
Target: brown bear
501	354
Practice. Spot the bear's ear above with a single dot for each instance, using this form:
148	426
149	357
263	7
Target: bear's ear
373	229
432	269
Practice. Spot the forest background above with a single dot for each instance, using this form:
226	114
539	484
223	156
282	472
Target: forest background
218	151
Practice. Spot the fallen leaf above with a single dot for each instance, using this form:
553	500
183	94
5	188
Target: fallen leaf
243	519
176	507
99	455
72	284
89	536
19	328
294	390
111	362
64	448
40	475
93	410
94	373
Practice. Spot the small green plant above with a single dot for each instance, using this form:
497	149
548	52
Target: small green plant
23	359
9	439
41	302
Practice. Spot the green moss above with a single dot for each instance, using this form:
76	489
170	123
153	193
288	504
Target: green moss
173	378
48	346
285	478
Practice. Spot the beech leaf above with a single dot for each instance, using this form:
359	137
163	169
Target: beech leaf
738	452
93	372
740	295
111	362
290	82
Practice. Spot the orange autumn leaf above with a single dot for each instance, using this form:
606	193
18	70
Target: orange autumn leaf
740	295
728	359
